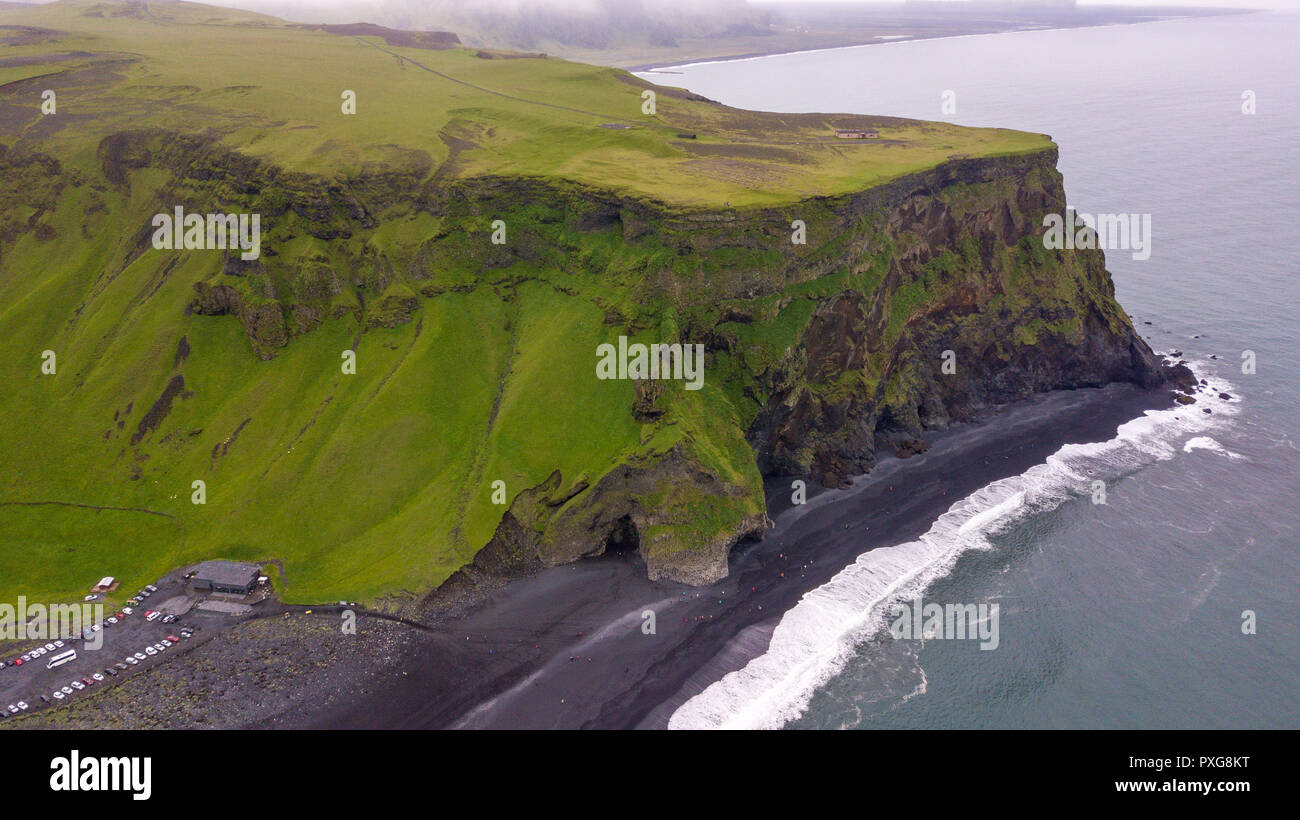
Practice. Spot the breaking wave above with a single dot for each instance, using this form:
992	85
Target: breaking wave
816	637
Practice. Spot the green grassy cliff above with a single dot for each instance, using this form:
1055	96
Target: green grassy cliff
475	361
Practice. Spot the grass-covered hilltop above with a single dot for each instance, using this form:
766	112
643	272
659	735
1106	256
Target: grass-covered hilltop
475	361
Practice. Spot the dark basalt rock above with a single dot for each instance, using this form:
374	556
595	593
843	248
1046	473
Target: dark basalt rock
910	447
804	428
645	405
1179	376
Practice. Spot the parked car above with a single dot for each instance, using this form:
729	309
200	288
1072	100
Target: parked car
59	695
139	656
49	647
159	646
78	685
120	666
164	644
13	710
97	676
58	644
152	615
132	660
19	662
67	690
151	587
88	681
173	639
22	704
112	673
112	619
126	610
149	650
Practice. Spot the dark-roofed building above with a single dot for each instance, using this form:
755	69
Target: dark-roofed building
226	577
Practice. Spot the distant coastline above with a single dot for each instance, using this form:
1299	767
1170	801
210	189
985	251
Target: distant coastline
728	49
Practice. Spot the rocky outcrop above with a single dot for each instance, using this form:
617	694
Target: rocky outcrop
941	302
988	317
639	507
264	323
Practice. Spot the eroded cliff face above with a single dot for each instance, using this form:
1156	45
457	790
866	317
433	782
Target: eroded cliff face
817	355
914	305
963	281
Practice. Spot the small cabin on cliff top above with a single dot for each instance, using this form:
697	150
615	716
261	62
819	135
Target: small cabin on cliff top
857	133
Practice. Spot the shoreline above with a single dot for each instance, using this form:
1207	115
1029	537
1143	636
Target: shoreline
567	647
658	67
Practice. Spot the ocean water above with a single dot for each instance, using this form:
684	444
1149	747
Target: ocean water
1127	614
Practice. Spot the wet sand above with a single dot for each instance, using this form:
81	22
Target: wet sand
569	646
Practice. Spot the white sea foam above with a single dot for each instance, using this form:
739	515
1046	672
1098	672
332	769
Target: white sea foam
1207	443
816	637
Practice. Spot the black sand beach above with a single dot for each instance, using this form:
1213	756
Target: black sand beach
565	648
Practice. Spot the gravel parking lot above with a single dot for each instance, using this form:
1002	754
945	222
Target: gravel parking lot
131	635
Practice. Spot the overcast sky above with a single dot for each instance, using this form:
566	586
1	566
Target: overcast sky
1244	4
1236	4
362	5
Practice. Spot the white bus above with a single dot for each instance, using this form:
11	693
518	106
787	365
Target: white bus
61	658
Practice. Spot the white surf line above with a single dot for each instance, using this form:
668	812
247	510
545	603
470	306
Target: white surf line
816	637
1207	443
